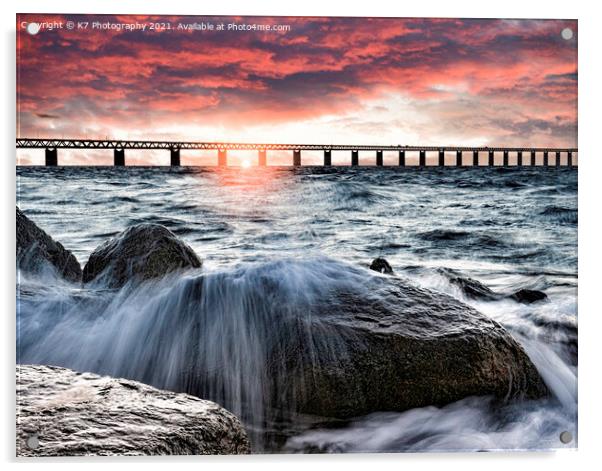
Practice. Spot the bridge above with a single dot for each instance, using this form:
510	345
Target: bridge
522	154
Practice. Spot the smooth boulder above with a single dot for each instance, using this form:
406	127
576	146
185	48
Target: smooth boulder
37	251
408	348
335	341
66	413
139	253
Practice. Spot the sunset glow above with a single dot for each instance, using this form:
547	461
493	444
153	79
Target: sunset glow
326	80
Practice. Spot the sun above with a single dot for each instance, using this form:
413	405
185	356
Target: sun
246	163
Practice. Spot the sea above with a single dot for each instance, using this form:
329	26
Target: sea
509	228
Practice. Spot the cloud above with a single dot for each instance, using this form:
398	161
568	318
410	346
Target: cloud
497	81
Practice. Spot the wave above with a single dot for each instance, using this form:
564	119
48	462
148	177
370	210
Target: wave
472	424
560	214
211	335
444	237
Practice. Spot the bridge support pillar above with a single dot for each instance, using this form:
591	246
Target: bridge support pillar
327	157
441	162
569	159
119	157
506	159
491	160
557	159
174	156
475	158
422	158
379	158
533	158
458	158
222	157
262	157
355	158
519	158
51	157
297	157
402	158
546	160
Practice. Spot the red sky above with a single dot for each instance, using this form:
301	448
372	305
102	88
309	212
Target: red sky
326	80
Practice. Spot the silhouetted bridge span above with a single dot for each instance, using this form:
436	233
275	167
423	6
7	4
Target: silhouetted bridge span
524	155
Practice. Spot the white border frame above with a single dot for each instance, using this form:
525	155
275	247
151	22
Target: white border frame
589	229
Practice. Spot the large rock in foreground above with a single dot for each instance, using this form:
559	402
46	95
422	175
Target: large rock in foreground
141	252
37	251
323	338
406	347
84	414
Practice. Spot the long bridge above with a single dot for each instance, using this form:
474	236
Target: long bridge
523	154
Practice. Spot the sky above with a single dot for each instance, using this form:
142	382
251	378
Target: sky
317	80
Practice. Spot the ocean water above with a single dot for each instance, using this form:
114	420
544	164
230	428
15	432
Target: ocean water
509	228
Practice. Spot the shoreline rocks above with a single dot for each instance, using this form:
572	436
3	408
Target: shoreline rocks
139	253
337	342
37	251
75	414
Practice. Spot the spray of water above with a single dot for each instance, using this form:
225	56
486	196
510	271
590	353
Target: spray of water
227	335
223	336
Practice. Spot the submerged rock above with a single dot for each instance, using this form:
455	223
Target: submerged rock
529	296
476	290
381	265
73	413
470	287
141	252
37	251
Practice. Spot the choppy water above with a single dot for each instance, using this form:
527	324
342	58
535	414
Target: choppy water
508	228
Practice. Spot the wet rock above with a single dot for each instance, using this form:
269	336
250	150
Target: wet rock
410	348
529	296
37	251
348	344
381	265
141	252
84	414
476	290
470	287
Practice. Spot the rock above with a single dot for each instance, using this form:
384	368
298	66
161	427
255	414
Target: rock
84	414
412	348
470	287
529	296
381	265
141	252
269	341
347	344
37	251
476	290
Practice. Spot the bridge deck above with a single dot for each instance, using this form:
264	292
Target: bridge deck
118	147
29	143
